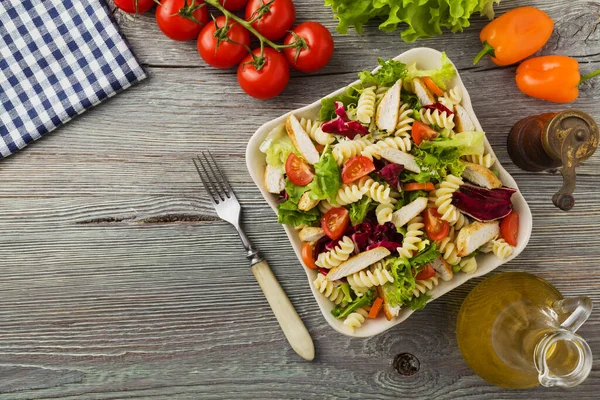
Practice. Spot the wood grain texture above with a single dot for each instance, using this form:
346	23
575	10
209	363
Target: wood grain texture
118	281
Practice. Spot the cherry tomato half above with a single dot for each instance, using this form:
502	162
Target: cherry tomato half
226	54
307	256
276	21
435	227
176	26
267	82
134	6
335	222
299	172
421	131
233	5
509	228
356	168
426	272
320	47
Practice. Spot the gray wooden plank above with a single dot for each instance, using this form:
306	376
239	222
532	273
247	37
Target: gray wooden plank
118	282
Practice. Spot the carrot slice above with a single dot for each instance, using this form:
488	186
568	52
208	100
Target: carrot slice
375	308
411	187
432	86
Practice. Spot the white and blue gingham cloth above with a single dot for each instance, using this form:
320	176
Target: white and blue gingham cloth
57	59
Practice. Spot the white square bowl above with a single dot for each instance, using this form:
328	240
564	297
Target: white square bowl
425	58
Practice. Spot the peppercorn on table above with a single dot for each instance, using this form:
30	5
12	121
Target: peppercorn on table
119	281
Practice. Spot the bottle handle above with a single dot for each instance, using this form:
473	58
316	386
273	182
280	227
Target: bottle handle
577	310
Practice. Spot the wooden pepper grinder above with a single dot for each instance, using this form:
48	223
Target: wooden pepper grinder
549	141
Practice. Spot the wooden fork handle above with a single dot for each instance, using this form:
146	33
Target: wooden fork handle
291	324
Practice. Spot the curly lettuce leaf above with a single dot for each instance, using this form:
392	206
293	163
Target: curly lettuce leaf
328	178
401	290
423	18
288	214
389	72
434	167
440	76
418	303
358	210
343	311
350	96
278	146
294	191
465	143
425	257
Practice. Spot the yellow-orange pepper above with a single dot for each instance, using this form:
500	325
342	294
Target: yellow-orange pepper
515	35
552	78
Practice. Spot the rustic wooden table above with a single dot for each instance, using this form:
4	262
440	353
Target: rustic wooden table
118	281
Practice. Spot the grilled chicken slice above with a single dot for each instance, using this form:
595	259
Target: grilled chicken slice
274	180
402	216
389	108
400	157
301	139
311	234
462	121
481	176
423	93
389	311
358	263
306	203
475	235
443	269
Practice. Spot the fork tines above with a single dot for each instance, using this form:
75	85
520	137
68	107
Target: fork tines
212	178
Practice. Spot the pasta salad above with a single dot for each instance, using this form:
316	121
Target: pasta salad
390	189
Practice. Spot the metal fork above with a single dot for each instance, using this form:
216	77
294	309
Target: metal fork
228	208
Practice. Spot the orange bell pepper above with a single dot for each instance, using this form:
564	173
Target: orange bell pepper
515	35
552	78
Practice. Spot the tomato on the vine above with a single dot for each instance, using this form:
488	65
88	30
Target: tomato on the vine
273	17
180	22
223	53
268	79
134	6
233	5
317	52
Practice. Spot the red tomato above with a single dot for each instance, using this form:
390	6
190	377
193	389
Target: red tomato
134	6
411	187
269	80
426	272
175	19
307	256
335	222
421	131
299	172
227	54
319	51
435	227
356	168
274	22
509	228
233	5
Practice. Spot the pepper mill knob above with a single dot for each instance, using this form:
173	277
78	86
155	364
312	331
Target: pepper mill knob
549	141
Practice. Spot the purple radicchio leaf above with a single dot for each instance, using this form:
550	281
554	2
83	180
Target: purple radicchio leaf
483	204
391	246
440	107
342	125
391	174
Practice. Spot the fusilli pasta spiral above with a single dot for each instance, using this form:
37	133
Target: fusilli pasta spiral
451	97
468	265
412	238
435	117
365	109
461	221
404	125
487	160
329	289
397	142
380	192
345	150
350	193
424	286
313	128
357	318
384	213
443	198
381	91
325	206
336	256
369	278
447	248
501	249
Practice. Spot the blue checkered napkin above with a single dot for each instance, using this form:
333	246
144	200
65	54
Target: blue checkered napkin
57	59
